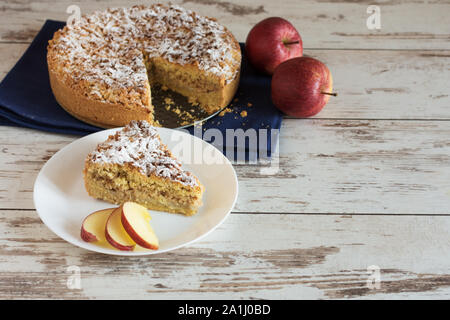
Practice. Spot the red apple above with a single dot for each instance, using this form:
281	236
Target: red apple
135	220
301	86
271	42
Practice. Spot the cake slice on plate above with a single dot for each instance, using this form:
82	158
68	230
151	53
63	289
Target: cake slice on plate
134	165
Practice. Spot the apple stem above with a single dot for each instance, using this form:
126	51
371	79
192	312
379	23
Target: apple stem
293	42
334	94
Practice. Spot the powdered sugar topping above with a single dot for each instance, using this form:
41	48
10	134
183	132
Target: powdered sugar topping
109	46
139	145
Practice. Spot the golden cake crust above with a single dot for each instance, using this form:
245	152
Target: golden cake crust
100	67
94	112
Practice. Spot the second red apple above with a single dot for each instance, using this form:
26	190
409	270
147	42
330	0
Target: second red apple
301	87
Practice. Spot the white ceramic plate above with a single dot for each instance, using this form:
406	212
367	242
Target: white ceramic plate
62	201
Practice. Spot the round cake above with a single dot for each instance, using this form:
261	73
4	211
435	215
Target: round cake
102	67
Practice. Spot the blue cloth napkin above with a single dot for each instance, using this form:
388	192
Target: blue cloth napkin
26	100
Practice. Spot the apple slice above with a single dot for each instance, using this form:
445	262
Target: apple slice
115	233
136	221
93	226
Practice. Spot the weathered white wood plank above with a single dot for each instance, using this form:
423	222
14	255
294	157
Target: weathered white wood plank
326	166
21	162
354	166
387	84
371	84
283	256
406	24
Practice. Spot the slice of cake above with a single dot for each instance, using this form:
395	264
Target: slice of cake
134	165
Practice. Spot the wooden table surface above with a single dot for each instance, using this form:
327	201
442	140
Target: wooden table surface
364	183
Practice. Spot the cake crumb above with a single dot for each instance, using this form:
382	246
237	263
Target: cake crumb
243	114
225	111
193	102
164	88
168	101
249	104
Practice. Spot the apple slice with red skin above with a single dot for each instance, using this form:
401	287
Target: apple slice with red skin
136	221
115	233
93	226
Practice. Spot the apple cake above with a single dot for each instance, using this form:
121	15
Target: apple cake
135	165
102	67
